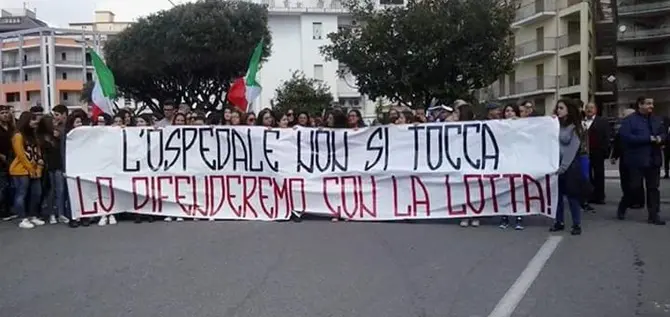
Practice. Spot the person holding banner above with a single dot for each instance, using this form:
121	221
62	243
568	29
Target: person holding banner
511	112
26	171
570	179
465	113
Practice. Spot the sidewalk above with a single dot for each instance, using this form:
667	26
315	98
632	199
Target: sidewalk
612	183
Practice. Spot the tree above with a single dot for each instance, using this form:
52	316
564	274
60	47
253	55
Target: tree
190	53
302	94
427	49
86	92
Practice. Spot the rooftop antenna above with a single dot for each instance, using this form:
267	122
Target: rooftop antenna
172	3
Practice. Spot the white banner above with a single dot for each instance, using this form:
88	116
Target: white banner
441	170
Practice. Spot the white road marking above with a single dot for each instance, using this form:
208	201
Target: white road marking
515	294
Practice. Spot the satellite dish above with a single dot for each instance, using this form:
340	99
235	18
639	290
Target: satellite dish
622	28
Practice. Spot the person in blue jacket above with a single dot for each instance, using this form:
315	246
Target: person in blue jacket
642	135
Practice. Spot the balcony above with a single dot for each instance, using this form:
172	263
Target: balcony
534	49
644	9
638	85
287	7
605	53
28	63
534	12
71	62
644	35
532	86
643	60
571	80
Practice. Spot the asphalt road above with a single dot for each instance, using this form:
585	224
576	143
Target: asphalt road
317	268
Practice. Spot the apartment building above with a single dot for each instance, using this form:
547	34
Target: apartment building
553	54
46	66
605	94
299	29
643	52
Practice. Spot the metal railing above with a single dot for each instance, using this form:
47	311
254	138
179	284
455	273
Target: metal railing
533	84
536	7
636	34
640	60
568	40
534	46
569	80
70	62
646	84
643	8
605	51
7	64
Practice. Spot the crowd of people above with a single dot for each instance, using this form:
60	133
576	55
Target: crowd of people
32	152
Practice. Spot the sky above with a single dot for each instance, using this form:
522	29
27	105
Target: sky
61	12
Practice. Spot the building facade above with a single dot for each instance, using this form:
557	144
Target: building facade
554	54
298	30
643	53
48	66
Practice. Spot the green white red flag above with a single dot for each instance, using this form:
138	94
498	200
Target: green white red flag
104	90
246	89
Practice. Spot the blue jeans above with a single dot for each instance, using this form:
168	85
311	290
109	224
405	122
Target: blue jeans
27	196
57	194
573	203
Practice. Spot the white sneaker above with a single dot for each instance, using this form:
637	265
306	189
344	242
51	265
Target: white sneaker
52	220
465	223
63	219
167	219
26	224
180	219
195	219
103	221
475	223
37	221
211	219
112	220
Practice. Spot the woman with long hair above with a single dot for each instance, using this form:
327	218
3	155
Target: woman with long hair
355	119
511	111
283	122
303	119
236	117
266	118
570	179
54	186
26	171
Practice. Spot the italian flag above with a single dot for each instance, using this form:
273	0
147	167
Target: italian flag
104	90
246	89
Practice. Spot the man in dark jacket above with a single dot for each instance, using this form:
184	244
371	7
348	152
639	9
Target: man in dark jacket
598	133
642	135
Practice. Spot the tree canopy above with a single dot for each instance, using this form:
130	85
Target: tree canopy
191	52
302	94
427	49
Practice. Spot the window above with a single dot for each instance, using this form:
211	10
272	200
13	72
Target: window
64	75
27	96
63	56
65	95
88	59
25	77
318	72
317	30
89	77
13	97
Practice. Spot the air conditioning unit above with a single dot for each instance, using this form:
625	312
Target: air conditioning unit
319	4
298	5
